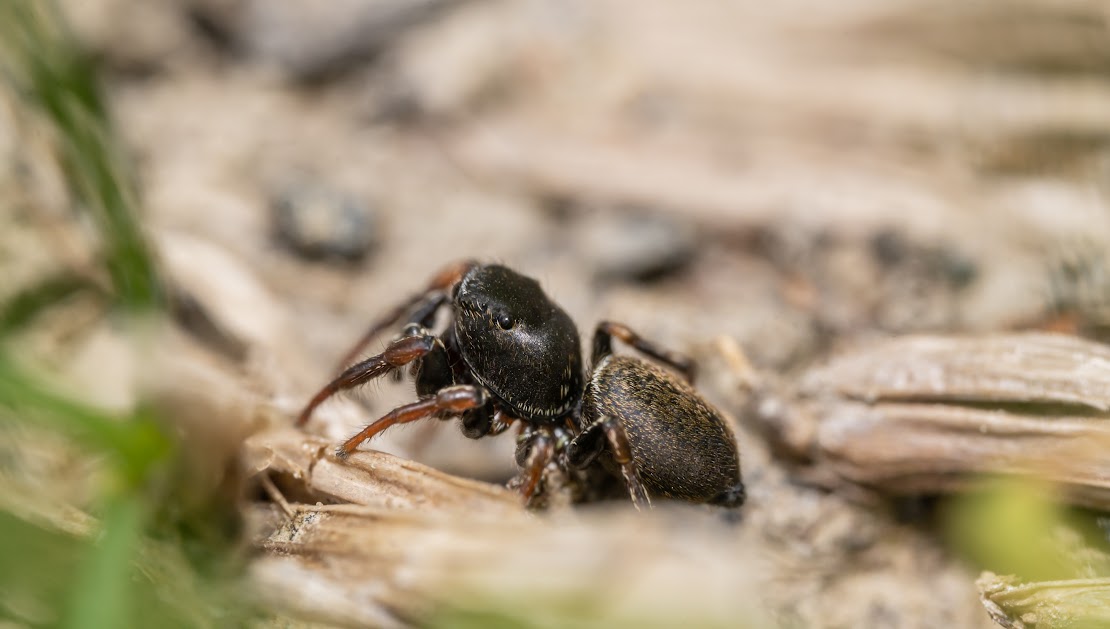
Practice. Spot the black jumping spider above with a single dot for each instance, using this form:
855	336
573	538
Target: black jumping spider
511	354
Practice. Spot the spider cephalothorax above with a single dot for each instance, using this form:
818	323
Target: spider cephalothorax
509	354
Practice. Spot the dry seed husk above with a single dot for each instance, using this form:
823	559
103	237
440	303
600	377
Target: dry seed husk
368	477
1068	604
929	414
1030	368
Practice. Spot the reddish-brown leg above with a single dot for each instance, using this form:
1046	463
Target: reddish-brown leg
501	422
584	448
452	400
622	455
399	353
603	346
540	453
435	295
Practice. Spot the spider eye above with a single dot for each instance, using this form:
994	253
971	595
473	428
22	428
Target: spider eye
505	321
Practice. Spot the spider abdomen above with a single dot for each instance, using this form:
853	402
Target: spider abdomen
682	446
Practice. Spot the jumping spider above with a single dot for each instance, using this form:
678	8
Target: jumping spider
511	354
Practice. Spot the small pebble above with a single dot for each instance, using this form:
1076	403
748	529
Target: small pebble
320	223
314	41
638	246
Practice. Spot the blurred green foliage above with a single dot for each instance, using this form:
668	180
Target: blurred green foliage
575	610
138	566
102	595
134	444
1016	526
22	309
43	63
546	614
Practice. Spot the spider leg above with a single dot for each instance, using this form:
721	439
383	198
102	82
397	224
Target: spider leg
423	306
535	450
603	346
501	422
585	447
399	353
453	400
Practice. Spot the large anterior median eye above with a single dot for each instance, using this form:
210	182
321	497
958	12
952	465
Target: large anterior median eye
505	321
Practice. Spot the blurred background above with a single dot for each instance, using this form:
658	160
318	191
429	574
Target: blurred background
204	203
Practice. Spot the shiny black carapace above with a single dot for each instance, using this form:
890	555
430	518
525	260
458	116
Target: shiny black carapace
508	354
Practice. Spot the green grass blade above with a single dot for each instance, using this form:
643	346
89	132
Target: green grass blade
102	593
44	64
